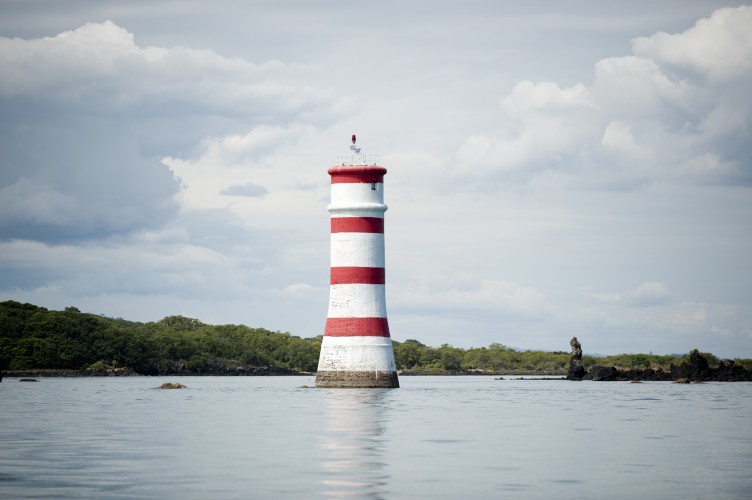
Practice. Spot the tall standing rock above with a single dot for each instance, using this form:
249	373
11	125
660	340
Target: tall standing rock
576	370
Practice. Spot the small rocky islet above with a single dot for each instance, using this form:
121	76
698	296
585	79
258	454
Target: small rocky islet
697	369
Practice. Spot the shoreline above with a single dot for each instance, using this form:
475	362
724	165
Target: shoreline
696	370
501	376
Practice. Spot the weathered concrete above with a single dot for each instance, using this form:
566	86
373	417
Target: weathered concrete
352	379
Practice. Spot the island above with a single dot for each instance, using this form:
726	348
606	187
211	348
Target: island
38	342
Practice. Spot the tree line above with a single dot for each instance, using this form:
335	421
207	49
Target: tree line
35	338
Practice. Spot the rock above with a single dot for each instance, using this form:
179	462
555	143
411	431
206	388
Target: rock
729	371
726	364
172	385
603	373
699	363
576	348
576	370
696	369
682	380
101	369
28	380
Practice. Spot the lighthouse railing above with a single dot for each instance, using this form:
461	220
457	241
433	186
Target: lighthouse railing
356	159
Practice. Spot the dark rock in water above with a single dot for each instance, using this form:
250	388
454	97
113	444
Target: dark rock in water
728	371
28	380
100	369
602	373
610	373
696	369
172	385
576	370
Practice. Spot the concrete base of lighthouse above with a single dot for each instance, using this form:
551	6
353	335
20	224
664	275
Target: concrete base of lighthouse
354	380
357	362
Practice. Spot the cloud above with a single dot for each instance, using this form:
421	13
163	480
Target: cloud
181	269
677	110
528	96
88	116
252	146
648	294
464	293
718	48
550	124
249	189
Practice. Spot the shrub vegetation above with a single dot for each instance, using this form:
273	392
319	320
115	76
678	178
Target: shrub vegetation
34	338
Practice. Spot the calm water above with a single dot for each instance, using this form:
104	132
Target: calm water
436	437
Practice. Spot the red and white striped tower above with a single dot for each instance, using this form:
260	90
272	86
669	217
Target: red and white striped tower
357	350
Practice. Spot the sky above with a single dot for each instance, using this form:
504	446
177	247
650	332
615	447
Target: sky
555	169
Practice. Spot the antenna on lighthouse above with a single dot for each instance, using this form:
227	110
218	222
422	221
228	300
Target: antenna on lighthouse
355	149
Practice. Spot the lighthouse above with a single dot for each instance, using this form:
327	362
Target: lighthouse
356	350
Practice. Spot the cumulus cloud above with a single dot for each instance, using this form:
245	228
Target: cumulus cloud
251	147
677	109
551	124
248	189
180	269
718	48
88	115
647	294
467	293
651	293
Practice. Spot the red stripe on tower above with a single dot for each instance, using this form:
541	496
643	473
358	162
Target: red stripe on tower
353	327
357	225
357	174
357	275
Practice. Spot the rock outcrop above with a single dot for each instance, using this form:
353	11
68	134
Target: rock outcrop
610	373
603	373
172	385
698	370
100	369
576	369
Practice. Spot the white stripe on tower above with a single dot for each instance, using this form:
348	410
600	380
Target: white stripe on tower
356	250
356	350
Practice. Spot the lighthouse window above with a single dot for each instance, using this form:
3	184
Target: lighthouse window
373	186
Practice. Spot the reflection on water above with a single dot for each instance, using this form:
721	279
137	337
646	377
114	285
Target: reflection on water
354	443
436	437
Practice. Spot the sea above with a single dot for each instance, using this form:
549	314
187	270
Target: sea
435	437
